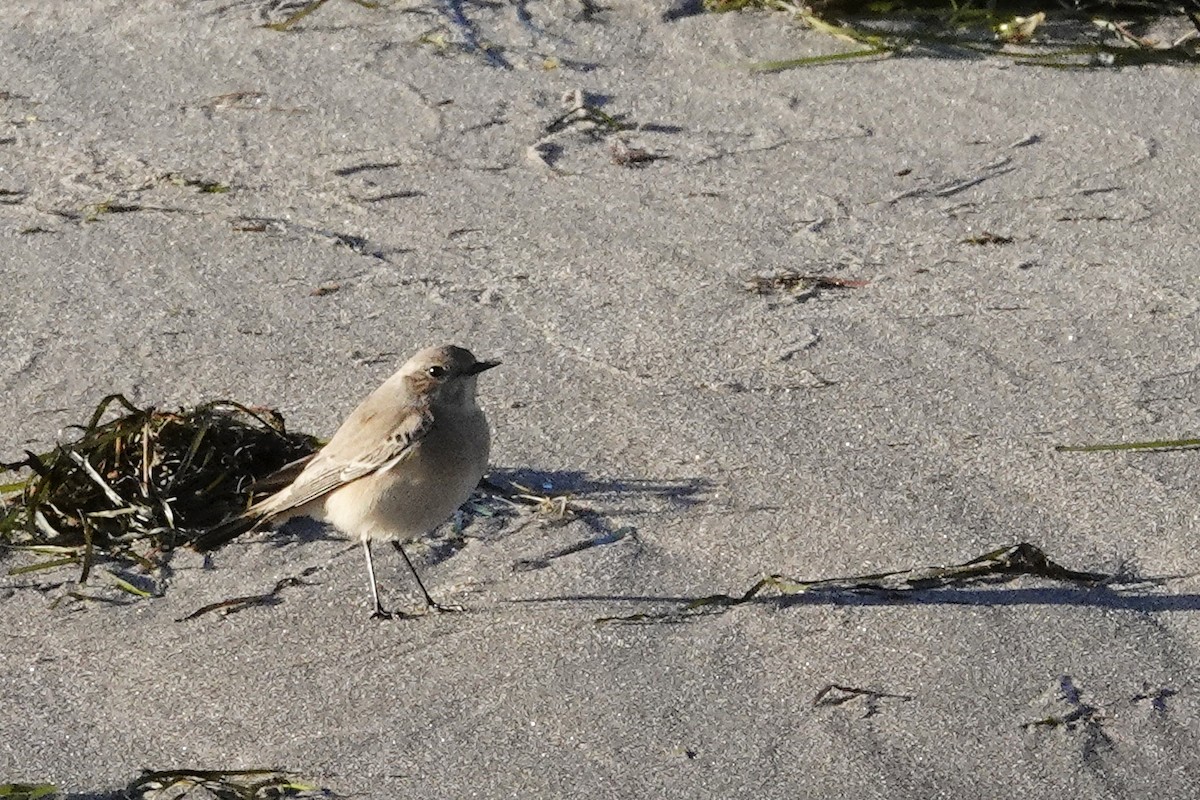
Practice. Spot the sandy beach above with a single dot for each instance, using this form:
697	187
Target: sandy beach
1016	252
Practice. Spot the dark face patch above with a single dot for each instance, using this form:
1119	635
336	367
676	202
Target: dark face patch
422	383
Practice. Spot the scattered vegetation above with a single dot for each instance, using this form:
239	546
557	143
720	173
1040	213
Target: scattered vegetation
240	784
1079	35
798	284
27	791
836	694
997	566
294	17
1160	444
1071	35
201	185
986	238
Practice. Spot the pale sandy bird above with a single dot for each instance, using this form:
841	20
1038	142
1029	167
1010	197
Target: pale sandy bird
398	467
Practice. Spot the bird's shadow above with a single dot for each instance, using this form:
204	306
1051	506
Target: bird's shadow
681	492
607	508
508	498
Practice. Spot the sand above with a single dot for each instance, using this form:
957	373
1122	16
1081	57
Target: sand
707	434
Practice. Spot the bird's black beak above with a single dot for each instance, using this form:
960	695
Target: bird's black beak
482	366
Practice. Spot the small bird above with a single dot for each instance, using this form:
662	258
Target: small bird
398	467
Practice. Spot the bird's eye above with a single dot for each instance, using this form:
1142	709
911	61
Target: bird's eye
436	371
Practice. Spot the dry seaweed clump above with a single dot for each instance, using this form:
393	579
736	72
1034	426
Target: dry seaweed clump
146	477
1073	34
189	784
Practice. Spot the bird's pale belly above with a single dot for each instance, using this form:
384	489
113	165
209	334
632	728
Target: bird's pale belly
408	500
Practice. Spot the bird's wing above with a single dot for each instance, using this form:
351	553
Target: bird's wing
282	477
352	456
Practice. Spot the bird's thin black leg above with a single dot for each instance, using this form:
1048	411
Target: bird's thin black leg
429	601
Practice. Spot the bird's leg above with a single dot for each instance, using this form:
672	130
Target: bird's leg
379	612
429	602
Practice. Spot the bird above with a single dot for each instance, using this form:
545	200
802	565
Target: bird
400	465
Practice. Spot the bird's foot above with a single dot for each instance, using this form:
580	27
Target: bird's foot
381	613
445	609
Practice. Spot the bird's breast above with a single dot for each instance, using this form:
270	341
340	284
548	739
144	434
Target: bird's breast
420	492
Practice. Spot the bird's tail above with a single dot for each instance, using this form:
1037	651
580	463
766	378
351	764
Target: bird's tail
228	530
257	514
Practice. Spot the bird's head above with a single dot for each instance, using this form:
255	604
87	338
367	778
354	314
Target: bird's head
445	374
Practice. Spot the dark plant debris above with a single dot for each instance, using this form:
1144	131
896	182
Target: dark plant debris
1157	695
27	791
998	566
554	506
251	225
236	604
625	155
583	110
147	478
293	19
987	237
1161	444
1078	714
798	284
1088	34
94	211
201	185
329	287
240	784
836	694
